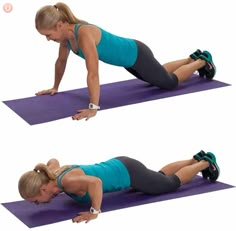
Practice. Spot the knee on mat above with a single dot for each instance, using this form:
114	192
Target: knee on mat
171	83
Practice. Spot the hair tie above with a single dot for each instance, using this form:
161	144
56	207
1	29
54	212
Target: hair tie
56	7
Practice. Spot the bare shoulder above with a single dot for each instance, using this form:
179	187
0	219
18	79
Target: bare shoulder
89	32
90	27
73	180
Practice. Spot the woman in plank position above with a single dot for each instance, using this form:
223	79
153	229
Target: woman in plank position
92	43
90	182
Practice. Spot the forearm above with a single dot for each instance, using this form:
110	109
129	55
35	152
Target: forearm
96	193
94	88
60	67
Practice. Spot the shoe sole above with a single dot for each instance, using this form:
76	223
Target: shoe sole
208	174
210	68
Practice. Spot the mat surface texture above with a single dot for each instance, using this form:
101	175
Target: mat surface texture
46	108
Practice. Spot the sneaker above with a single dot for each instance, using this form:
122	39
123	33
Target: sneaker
195	55
199	156
209	70
213	169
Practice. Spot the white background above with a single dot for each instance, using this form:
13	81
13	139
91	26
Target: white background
156	132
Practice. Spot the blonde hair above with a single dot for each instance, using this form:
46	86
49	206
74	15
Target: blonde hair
30	182
48	16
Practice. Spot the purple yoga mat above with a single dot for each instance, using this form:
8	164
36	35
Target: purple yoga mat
64	208
46	108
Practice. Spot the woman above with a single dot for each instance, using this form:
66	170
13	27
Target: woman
89	182
92	43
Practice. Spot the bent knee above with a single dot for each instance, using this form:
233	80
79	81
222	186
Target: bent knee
172	83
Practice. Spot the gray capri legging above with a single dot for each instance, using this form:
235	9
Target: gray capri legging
149	181
148	69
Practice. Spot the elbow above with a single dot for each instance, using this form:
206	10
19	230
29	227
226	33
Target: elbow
97	185
93	79
93	74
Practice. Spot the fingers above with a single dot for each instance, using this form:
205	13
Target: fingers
38	93
84	114
84	216
44	92
87	221
47	92
79	116
80	218
53	93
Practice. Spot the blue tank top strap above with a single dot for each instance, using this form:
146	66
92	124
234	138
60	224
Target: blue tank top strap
76	28
59	178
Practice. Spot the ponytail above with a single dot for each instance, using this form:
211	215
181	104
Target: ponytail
30	183
48	16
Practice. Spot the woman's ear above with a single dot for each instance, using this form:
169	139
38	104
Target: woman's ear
43	188
60	24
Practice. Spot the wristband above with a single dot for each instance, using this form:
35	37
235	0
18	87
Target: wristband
94	211
94	106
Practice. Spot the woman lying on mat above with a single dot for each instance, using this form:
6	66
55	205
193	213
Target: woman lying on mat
89	182
92	43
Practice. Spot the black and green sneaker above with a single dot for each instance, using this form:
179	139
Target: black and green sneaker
199	156
195	55
213	169
209	70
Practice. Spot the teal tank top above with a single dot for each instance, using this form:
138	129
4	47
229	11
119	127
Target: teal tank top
113	173
112	49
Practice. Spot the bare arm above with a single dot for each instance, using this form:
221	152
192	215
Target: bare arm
87	41
88	46
95	192
80	184
60	64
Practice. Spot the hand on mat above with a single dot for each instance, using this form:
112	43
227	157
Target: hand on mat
51	91
84	114
84	216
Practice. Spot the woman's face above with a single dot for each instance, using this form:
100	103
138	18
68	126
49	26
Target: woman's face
58	34
52	34
46	195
